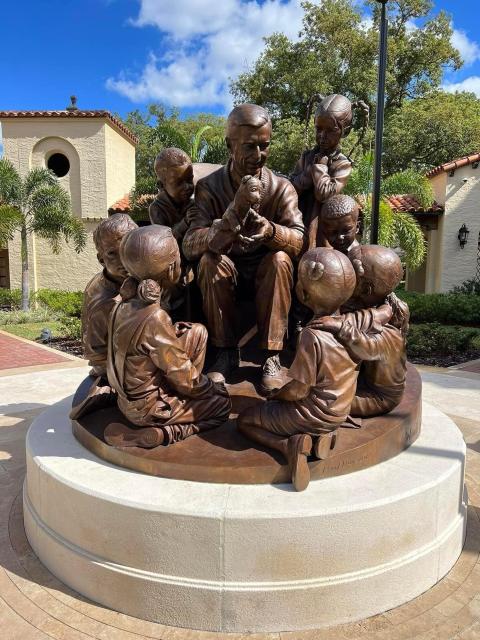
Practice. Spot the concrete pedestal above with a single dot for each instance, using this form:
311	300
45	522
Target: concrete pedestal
236	558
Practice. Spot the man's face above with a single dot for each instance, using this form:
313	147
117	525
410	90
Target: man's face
249	147
179	183
340	232
110	258
327	134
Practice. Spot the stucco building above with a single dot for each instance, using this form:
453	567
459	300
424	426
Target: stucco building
451	228
93	155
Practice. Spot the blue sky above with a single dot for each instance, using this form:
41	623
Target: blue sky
121	54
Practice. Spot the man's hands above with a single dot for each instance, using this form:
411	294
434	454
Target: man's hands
257	231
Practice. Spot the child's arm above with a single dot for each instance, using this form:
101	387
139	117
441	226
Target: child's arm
293	390
360	332
329	181
301	177
168	355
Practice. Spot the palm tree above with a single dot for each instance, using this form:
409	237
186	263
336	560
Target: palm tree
36	204
396	228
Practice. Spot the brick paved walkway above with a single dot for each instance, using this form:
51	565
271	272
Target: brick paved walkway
473	367
16	352
34	605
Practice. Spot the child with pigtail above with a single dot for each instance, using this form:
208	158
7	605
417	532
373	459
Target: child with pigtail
373	328
324	171
300	418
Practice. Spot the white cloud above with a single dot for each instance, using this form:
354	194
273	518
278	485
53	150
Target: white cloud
469	50
471	84
207	43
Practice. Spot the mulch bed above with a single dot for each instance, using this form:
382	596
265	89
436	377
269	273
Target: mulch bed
442	360
71	346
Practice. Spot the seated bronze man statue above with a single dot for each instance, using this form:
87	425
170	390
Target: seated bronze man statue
257	251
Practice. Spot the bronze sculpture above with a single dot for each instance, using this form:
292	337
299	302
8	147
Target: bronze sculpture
154	366
244	228
174	171
260	255
323	376
338	223
102	291
324	171
382	377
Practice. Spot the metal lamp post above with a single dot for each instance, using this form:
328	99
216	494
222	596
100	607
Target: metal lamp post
380	116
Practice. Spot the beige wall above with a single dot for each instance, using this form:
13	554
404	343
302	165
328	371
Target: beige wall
102	170
439	184
67	270
462	207
120	164
21	144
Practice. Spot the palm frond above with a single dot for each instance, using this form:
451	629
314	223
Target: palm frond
10	184
360	181
11	219
52	218
167	135
410	238
36	178
409	182
196	151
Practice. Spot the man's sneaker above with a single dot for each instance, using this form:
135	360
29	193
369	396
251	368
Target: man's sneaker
226	362
272	375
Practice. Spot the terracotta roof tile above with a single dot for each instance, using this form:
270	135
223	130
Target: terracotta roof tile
79	113
123	205
411	205
454	164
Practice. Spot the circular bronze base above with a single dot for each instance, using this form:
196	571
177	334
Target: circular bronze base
224	455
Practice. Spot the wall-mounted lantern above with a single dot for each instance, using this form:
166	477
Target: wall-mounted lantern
463	235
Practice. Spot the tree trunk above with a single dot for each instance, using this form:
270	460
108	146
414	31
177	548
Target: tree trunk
25	274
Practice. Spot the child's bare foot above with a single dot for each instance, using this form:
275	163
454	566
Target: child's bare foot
324	445
299	448
119	435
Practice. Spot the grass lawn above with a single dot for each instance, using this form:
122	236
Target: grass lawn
31	330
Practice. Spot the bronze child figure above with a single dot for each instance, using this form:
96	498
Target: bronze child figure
338	224
154	366
102	291
323	375
368	335
324	171
174	171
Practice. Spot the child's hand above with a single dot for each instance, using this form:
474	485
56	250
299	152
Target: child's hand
332	324
182	327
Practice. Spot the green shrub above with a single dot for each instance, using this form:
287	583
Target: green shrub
71	328
25	317
11	298
444	308
472	287
68	303
434	339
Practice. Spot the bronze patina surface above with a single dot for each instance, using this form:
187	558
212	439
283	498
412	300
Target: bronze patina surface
225	456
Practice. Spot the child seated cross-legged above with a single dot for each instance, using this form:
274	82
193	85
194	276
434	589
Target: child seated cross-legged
155	366
374	332
323	375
